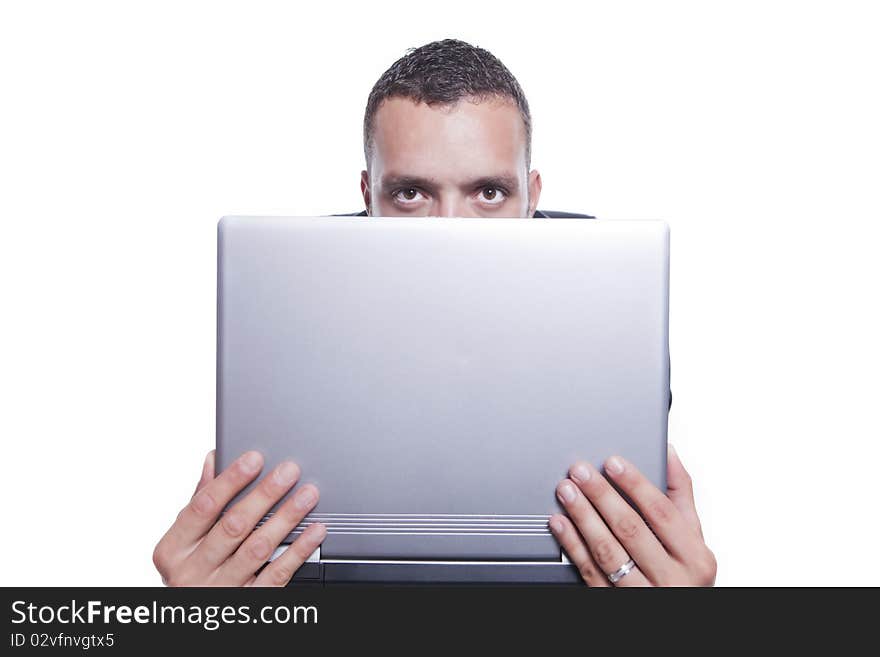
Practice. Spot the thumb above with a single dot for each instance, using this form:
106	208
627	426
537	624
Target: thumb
680	490
207	471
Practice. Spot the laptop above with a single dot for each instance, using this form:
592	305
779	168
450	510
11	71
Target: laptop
436	377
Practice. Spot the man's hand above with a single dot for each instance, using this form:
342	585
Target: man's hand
200	551
602	532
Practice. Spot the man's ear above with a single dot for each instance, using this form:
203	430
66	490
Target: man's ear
365	189
534	191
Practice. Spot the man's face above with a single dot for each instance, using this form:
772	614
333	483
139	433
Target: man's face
464	160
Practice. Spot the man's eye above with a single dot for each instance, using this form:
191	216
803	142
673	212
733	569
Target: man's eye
408	195
492	195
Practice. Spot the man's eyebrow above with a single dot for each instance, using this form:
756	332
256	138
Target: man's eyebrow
504	181
393	181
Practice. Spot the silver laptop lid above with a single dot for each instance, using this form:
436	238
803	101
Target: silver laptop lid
435	377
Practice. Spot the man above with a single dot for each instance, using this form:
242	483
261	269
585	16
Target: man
447	132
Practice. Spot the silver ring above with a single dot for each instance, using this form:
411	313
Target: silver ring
621	572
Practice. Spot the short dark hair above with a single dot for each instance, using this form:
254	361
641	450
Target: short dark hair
443	73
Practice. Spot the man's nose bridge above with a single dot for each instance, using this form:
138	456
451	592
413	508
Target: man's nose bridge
450	206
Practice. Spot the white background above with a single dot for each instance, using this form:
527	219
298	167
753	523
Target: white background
128	129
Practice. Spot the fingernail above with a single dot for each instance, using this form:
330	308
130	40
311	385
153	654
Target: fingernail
671	449
320	530
566	492
251	461
580	472
556	525
286	473
614	465
305	498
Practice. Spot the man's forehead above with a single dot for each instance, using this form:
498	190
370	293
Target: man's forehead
471	136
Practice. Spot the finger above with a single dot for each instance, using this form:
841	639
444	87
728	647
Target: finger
197	517
239	520
626	525
207	471
680	490
280	571
258	547
603	545
573	544
670	527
